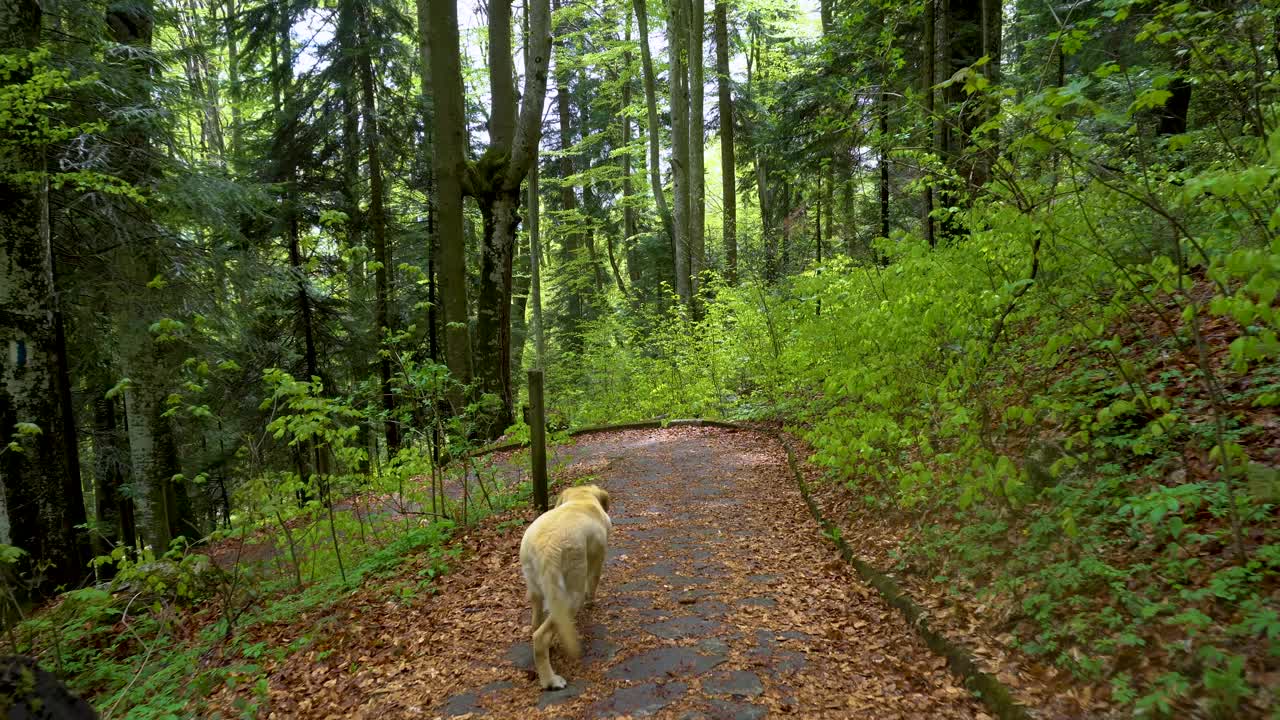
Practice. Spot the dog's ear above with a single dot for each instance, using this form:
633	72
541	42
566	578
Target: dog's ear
603	496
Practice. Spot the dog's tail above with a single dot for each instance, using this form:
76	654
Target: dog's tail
556	597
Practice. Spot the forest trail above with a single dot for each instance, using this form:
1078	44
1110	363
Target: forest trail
720	600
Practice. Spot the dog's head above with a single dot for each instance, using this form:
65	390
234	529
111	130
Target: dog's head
589	493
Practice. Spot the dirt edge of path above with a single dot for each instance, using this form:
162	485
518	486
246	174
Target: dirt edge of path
985	687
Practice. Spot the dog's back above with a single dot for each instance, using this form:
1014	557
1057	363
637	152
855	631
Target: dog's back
555	550
560	555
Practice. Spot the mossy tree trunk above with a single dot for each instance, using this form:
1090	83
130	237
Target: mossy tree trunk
40	498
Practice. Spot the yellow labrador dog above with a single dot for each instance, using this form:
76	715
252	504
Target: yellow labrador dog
561	554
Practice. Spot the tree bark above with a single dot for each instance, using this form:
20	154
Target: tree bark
883	162
233	78
428	149
678	73
1173	116
535	266
655	129
961	47
495	183
992	47
502	89
768	229
450	165
351	180
519	327
535	237
591	212
114	511
571	238
203	84
728	159
493	308
139	262
39	496
288	176
928	81
383	321
628	189
697	147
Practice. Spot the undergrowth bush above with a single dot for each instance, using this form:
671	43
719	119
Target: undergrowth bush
1073	401
167	630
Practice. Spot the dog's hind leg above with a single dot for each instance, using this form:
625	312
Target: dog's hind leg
539	614
595	564
547	678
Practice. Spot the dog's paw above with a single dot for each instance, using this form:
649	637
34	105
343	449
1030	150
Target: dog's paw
556	683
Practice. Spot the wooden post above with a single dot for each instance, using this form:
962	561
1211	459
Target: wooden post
538	441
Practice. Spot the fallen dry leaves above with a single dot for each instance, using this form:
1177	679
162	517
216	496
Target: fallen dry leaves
720	599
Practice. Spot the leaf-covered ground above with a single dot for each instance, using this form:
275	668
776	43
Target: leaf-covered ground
720	600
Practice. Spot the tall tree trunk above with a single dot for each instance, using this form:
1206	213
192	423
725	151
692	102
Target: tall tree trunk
535	267
839	158
972	29
147	459
828	201
768	225
428	150
206	85
591	211
182	519
817	225
678	52
495	183
928	81
849	213
499	209
113	510
450	164
74	514
493	310
655	129
961	47
571	237
40	499
285	148
310	356
882	112
992	33
788	226
992	38
499	212
613	263
288	177
519	327
728	160
233	78
352	187
139	262
535	236
382	317
628	189
1173	116
697	147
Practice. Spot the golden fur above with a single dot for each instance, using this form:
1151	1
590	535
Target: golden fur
561	554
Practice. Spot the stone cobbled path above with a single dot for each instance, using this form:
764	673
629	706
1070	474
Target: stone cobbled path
719	600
